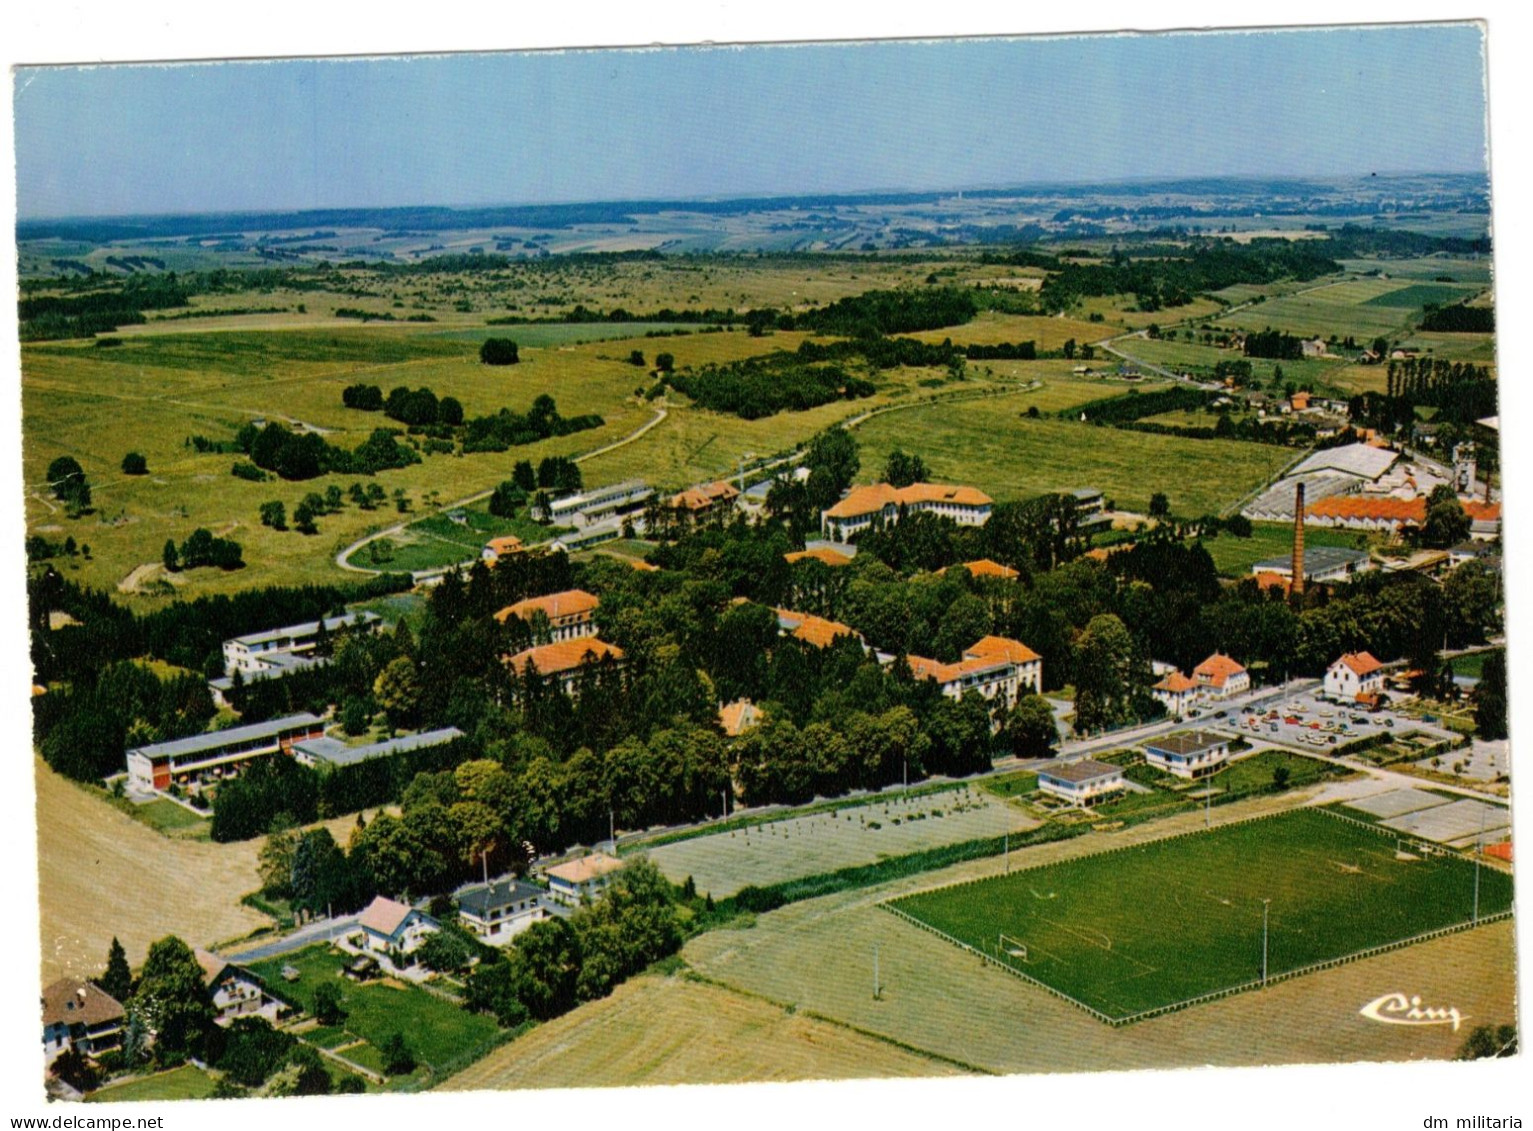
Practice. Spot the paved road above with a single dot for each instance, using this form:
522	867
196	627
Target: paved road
321	930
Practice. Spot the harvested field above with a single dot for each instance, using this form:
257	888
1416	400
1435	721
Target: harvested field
101	874
817	955
725	862
672	1030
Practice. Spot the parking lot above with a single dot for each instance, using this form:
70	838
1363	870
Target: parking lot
1311	722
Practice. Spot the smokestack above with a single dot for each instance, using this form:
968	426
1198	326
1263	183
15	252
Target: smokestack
1298	539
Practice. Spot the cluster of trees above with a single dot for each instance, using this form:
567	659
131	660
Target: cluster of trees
68	484
1460	319
498	351
764	386
1461	391
100	309
1274	344
1136	405
306	455
507	429
201	548
874	314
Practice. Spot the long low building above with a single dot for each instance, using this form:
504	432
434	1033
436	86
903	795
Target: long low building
220	754
598	503
327	751
263	654
862	506
1321	564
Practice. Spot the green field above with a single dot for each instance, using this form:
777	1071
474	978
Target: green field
1359	307
1256	771
1011	785
991	444
184	1083
1234	557
436	1031
1472	665
1157	924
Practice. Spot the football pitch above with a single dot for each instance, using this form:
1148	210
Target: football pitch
1157	924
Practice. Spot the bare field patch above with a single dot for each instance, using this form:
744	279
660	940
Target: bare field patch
1048	333
671	1030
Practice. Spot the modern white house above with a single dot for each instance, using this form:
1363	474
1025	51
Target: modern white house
80	1015
578	880
499	911
1353	675
235	991
1085	783
1188	754
390	927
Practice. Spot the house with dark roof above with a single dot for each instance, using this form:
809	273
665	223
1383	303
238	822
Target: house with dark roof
1086	783
390	927
80	1015
235	991
1188	754
499	911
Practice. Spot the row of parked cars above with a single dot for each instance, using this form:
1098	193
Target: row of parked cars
1317	726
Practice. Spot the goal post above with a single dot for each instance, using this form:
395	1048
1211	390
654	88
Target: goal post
1009	947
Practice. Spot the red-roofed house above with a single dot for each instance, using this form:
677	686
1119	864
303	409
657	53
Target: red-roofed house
1219	677
811	629
563	660
738	717
984	567
389	926
1353	676
704	500
994	666
1176	692
578	880
825	554
1484	520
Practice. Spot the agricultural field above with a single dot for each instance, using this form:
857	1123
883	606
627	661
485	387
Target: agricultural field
1363	307
103	874
816	956
675	1030
826	841
1046	332
1139	930
439	1033
1201	359
1234	557
993	445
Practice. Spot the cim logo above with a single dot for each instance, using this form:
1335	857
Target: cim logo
1397	1009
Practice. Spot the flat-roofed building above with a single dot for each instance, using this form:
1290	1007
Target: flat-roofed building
221	754
1188	753
1321	564
1086	783
327	751
587	508
572	882
279	650
862	506
570	613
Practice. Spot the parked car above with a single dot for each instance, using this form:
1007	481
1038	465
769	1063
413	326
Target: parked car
1273	727
1332	740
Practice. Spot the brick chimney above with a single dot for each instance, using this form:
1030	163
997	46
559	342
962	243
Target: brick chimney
1298	539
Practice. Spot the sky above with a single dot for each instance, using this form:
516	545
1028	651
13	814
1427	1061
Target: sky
689	122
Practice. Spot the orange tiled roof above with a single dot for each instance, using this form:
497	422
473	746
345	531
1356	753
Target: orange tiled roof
1176	683
587	868
1482	511
984	567
705	496
569	603
1217	668
566	655
875	497
1502	851
1378	509
820	554
812	629
1266	579
1001	648
1362	663
506	544
738	717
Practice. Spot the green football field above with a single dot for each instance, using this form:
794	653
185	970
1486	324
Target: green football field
1157	924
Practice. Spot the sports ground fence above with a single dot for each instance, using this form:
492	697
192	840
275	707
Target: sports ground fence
1227	991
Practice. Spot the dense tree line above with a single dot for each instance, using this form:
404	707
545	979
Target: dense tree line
1136	404
307	455
100	309
1462	392
507	429
1274	344
1460	319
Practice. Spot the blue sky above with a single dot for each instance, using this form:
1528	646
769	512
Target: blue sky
533	127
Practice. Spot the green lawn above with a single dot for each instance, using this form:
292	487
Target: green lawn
1011	785
555	334
1234	557
1142	806
184	1083
435	1030
1163	922
994	446
1256	771
1473	664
